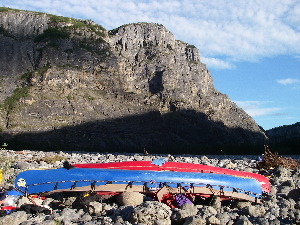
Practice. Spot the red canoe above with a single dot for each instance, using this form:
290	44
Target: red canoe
177	167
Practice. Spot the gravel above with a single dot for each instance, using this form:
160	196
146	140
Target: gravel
281	206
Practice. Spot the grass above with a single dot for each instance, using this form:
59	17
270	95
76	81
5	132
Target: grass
50	34
78	24
5	9
88	97
41	71
11	101
191	46
114	31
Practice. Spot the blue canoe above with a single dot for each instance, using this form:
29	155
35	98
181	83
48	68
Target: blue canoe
47	180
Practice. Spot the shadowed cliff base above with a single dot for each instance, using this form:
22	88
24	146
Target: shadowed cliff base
285	139
181	132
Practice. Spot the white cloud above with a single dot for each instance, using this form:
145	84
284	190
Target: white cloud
217	63
256	108
236	30
288	81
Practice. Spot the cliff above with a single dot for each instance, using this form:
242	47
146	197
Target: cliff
285	139
70	84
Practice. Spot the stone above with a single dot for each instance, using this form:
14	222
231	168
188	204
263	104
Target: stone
48	222
22	165
254	211
150	212
240	205
294	194
25	200
130	198
86	217
95	208
68	215
187	210
280	171
15	218
212	220
194	220
242	220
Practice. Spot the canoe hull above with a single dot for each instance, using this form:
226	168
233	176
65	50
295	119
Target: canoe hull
39	181
178	167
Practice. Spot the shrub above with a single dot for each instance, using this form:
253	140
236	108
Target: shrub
50	34
11	101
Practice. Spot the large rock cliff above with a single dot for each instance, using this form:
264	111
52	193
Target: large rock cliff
285	139
69	84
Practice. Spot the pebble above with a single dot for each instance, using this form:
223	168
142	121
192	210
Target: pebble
281	206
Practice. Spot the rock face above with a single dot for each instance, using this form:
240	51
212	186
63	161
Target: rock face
70	84
285	139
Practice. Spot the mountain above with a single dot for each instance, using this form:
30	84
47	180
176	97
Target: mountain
285	139
69	84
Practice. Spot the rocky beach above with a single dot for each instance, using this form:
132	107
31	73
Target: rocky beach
281	206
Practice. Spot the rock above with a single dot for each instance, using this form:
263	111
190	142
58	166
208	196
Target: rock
130	198
275	209
194	220
25	200
212	210
275	222
240	205
68	215
288	183
294	194
223	217
95	208
150	213
187	210
22	165
212	220
286	137
86	217
242	220
93	77
254	211
15	218
280	171
48	222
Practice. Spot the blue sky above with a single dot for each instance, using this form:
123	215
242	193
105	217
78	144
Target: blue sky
251	48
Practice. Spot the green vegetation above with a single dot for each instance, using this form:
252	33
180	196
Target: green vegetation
51	33
5	9
3	31
59	19
78	24
87	97
39	72
191	46
193	61
114	31
26	75
10	102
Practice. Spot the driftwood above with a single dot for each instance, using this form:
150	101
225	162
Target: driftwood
271	160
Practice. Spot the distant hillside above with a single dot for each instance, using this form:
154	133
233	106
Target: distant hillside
285	139
70	84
